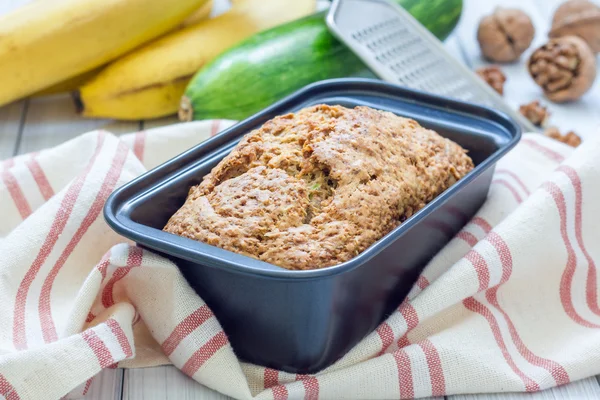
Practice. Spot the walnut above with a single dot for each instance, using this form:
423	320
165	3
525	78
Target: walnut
579	18
535	112
571	138
564	67
493	77
505	35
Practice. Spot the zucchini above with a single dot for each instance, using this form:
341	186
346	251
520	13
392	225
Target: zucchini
275	63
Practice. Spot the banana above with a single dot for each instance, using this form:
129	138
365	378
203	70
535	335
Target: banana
67	85
73	83
149	82
200	14
46	42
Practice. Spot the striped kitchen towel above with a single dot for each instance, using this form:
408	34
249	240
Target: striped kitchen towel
510	304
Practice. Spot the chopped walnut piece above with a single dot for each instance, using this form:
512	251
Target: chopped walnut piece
493	76
571	138
535	112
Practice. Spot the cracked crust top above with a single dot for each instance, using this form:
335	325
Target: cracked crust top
315	188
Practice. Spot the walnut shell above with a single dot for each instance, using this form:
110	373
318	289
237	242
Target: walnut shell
505	35
564	67
579	18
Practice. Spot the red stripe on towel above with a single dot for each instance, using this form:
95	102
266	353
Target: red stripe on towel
434	364
591	282
14	189
515	177
405	378
121	337
7	390
57	227
98	347
139	143
566	280
40	178
185	327
108	185
134	260
204	353
510	188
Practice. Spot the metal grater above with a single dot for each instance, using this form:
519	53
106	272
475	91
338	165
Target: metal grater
398	49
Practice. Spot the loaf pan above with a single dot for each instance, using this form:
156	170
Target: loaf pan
303	321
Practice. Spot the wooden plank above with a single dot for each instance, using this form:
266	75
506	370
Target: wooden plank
164	382
52	120
10	127
167	381
583	389
108	384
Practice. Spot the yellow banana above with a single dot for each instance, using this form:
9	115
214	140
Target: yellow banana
149	82
67	85
200	14
46	42
73	83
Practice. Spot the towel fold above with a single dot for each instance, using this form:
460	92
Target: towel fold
510	304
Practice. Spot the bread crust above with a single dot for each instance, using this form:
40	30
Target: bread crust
316	188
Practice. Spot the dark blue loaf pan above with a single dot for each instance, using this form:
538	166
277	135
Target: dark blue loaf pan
303	321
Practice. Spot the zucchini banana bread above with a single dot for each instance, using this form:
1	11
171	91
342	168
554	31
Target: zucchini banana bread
315	188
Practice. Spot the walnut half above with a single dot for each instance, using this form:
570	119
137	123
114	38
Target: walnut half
564	67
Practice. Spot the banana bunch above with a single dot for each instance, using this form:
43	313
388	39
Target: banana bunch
73	83
47	42
149	82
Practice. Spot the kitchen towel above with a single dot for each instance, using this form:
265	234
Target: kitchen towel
510	304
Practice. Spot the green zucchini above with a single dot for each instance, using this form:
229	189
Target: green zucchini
275	63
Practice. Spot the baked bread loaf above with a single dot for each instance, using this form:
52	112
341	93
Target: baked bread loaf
316	188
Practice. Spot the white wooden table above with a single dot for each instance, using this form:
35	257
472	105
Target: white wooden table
34	124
